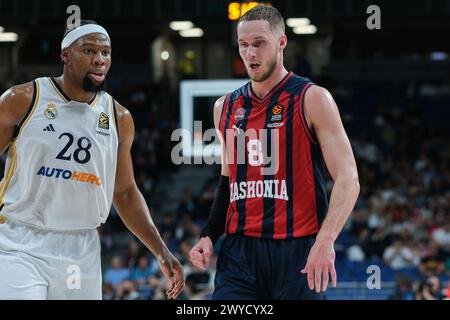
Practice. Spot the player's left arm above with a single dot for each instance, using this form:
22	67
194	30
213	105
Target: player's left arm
323	117
133	210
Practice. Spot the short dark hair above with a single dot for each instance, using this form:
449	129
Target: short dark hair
266	13
82	23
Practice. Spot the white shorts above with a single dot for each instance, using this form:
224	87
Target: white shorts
41	264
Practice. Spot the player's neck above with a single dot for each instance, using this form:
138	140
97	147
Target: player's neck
261	89
73	90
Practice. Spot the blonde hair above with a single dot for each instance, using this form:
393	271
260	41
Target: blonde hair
266	13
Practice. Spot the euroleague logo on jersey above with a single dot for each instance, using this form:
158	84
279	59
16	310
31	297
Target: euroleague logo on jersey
278	109
103	121
277	115
51	112
103	124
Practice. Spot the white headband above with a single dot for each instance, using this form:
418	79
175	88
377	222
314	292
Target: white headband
81	31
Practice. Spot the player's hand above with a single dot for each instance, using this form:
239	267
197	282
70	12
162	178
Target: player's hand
173	271
200	254
320	265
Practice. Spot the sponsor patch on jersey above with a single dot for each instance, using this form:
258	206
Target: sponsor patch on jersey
49	128
50	112
64	174
275	189
275	125
103	121
239	114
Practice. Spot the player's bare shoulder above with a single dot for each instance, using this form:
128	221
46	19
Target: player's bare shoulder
218	106
122	112
317	95
125	123
318	103
15	102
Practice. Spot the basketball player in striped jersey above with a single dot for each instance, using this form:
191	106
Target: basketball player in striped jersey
68	160
280	229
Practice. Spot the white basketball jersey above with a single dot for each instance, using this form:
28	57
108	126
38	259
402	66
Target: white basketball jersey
61	167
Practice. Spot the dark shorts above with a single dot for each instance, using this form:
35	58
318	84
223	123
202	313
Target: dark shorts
253	268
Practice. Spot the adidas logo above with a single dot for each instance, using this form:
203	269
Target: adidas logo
49	128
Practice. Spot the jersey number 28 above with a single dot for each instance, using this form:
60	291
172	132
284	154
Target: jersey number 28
81	154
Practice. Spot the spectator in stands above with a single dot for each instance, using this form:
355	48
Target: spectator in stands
186	229
422	291
197	285
435	288
205	202
446	291
188	204
133	254
168	223
116	273
379	240
398	256
357	251
143	271
403	289
183	254
433	260
107	291
442	236
128	290
159	287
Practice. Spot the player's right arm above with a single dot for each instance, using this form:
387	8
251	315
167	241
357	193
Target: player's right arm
218	106
14	104
200	254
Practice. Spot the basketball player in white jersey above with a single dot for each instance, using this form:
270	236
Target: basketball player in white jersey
68	160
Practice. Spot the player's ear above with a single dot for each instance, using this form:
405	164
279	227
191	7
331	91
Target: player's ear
64	55
283	41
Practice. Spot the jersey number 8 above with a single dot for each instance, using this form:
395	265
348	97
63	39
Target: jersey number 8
255	154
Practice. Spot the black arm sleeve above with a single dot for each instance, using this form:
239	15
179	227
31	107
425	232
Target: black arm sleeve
215	225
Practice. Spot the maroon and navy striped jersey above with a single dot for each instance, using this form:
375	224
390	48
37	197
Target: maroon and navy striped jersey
285	203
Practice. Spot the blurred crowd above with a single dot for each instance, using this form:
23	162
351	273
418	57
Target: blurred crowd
401	219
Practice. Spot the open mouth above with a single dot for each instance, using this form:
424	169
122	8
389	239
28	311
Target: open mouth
97	76
254	66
